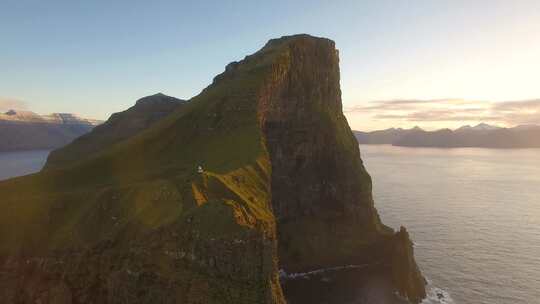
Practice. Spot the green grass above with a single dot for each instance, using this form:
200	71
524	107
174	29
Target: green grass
136	194
147	182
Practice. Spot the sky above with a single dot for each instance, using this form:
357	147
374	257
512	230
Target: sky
434	64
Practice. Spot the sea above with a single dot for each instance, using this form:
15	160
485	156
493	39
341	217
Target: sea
13	164
473	214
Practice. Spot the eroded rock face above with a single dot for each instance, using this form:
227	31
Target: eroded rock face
321	192
407	277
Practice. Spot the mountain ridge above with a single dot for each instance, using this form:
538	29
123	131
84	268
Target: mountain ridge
26	130
481	135
23	116
120	126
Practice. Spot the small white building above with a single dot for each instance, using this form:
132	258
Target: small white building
200	169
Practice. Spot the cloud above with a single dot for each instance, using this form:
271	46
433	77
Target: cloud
7	104
438	116
451	110
523	105
408	104
520	112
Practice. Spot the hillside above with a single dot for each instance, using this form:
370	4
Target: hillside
146	112
25	130
282	187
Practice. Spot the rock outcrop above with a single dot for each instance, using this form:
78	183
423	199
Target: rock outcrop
280	186
321	192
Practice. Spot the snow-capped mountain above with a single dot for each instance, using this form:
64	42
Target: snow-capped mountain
26	130
481	135
55	118
479	127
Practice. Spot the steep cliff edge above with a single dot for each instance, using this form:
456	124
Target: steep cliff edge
321	192
282	186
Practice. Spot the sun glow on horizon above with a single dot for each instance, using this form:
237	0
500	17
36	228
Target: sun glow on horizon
483	58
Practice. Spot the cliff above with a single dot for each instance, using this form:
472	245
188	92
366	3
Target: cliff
25	130
282	187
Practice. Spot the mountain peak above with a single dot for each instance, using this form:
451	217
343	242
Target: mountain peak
294	38
479	127
485	126
147	111
22	116
158	98
25	130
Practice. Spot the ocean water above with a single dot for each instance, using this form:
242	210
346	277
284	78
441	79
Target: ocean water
474	215
14	164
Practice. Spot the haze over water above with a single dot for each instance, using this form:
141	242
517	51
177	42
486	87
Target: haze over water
474	215
14	164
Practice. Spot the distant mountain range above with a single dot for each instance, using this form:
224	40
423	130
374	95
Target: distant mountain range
25	130
481	135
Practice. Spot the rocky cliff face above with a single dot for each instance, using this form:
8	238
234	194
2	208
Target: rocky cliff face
282	186
321	192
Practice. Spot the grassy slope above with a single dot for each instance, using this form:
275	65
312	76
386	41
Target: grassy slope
150	182
218	130
120	126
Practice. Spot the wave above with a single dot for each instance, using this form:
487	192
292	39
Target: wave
437	295
284	275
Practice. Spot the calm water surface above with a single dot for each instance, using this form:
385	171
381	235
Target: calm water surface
14	164
474	215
